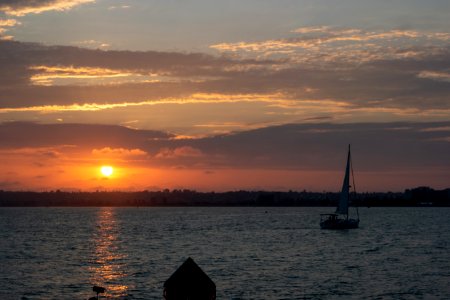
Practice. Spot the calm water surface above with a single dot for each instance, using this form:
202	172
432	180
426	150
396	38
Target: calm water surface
250	253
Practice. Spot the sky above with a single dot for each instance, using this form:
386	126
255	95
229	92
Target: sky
224	95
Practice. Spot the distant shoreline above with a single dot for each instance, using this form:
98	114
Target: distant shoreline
416	197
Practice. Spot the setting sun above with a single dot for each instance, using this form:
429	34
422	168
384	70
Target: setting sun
107	171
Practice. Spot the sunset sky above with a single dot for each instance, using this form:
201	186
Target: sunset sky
224	95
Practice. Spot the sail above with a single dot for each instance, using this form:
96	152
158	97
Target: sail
343	201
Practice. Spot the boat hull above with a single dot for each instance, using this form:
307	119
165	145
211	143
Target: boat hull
339	224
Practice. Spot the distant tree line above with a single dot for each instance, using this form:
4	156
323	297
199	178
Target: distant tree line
420	196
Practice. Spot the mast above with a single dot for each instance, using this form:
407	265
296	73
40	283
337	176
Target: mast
354	186
343	201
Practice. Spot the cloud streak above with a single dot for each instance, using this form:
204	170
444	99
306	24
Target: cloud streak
331	45
413	151
24	7
411	145
322	77
61	75
5	25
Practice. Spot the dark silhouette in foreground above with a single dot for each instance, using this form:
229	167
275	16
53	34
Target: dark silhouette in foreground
189	282
98	290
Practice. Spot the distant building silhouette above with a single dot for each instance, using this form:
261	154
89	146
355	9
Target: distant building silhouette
419	196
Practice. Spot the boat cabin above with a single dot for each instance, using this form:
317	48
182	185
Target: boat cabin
328	217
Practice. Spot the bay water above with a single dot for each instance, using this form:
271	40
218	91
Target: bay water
249	252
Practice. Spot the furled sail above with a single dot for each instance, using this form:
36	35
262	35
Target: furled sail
343	201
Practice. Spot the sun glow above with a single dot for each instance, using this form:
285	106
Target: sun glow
107	171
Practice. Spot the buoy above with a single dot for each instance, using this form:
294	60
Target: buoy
98	290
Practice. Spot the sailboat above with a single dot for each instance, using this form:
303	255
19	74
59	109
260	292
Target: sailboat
340	219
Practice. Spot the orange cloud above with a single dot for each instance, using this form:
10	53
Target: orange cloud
433	75
118	152
328	44
303	85
270	157
185	151
311	29
119	7
51	75
7	23
41	152
197	98
92	44
24	7
438	128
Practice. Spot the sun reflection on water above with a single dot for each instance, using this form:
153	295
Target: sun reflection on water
107	265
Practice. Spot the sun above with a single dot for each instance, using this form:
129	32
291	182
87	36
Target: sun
107	171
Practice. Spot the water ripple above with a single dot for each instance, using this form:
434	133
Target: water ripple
250	253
